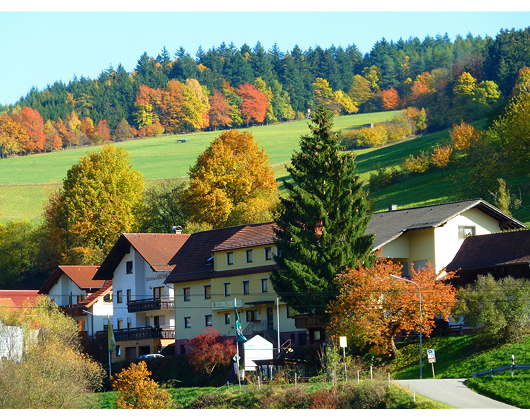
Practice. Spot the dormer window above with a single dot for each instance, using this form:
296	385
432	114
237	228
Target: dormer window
230	258
249	256
465	231
268	253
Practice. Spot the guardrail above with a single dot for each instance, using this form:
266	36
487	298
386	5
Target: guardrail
501	369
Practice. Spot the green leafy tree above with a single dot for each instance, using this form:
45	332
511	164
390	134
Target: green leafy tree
100	198
500	308
322	221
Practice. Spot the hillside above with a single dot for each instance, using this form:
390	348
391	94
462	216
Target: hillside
24	181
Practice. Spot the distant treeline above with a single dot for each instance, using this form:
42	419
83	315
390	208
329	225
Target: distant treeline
230	87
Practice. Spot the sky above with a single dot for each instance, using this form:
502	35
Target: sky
41	46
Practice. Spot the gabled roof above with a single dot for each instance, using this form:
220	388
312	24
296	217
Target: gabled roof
155	248
93	297
17	298
193	260
493	250
389	225
81	275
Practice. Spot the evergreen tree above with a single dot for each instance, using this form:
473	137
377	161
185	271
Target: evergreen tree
322	222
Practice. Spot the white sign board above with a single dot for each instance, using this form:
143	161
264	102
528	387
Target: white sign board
227	304
342	342
431	356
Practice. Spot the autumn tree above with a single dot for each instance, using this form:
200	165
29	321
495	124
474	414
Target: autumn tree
220	110
417	164
102	132
464	136
124	131
13	135
322	220
32	120
373	307
360	90
100	198
254	103
441	156
231	183
208	351
53	372
390	99
137	390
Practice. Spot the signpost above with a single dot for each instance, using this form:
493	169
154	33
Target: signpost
432	359
343	344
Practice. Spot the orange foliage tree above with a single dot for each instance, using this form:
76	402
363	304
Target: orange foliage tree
220	110
254	105
34	124
464	136
441	156
13	135
372	307
390	99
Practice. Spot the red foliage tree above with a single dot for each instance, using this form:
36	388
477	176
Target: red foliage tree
254	105
390	99
208	350
102	132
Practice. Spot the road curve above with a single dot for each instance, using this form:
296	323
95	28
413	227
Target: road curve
452	392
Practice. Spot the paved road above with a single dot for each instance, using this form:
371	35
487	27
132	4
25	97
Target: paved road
452	392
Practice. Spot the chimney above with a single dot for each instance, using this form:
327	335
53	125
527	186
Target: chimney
392	207
177	230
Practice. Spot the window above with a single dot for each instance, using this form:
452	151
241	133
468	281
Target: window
264	285
268	253
120	324
230	258
129	322
107	298
119	296
129	295
187	294
246	287
187	322
291	312
208	320
227	319
128	267
207	292
158	292
249	255
465	231
251	316
228	289
118	350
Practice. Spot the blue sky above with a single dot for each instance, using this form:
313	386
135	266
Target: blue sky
39	47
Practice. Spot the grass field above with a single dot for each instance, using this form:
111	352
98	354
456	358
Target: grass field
24	179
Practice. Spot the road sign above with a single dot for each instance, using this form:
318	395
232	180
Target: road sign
431	356
236	358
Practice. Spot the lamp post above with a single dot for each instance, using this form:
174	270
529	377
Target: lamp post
419	291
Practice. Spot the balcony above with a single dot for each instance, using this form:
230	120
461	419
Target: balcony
153	304
144	333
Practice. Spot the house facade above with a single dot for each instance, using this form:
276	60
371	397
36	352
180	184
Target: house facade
143	305
88	301
434	234
218	270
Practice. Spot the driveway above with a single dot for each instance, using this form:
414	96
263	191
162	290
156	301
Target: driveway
452	392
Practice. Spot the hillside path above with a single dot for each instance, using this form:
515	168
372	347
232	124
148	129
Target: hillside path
452	392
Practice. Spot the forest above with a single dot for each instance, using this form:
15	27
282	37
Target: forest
451	81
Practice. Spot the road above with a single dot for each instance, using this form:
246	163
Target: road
452	392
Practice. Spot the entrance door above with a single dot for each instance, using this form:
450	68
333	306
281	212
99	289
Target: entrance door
270	320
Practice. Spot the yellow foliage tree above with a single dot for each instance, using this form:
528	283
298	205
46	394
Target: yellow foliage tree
441	156
137	390
464	136
231	183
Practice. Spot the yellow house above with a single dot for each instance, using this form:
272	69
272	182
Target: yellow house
220	269
434	234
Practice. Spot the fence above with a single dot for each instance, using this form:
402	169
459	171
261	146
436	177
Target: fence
501	369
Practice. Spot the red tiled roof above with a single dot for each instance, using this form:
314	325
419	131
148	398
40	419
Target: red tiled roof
81	275
156	248
17	298
93	297
192	261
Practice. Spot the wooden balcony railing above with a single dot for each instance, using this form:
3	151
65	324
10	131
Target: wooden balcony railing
153	304
144	333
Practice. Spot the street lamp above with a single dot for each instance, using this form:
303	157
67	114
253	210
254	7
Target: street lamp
419	291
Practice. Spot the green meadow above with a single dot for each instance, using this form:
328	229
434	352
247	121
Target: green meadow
26	180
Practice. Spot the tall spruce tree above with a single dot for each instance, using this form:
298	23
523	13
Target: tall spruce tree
322	223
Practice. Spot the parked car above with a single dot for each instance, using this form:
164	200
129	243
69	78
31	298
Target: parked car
150	356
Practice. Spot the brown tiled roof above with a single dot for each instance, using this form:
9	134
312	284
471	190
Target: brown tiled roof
493	250
192	262
81	275
17	298
156	248
93	297
389	225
